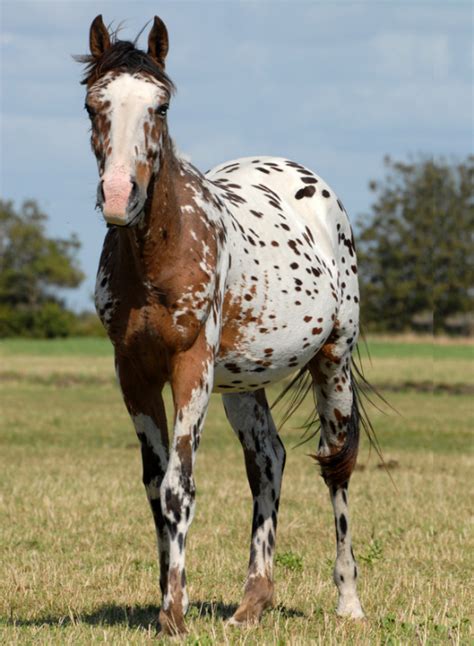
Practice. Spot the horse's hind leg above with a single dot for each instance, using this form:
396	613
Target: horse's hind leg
264	454
339	416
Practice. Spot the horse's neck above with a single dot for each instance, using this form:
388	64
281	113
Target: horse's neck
162	208
151	242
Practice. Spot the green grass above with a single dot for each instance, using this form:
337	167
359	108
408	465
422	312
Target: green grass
377	348
392	363
77	546
434	351
73	346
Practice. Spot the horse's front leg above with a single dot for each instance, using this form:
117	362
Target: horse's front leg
146	408
191	383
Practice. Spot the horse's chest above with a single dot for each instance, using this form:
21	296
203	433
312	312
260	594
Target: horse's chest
106	300
128	324
136	316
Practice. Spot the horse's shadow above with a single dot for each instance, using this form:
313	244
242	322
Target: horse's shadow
145	616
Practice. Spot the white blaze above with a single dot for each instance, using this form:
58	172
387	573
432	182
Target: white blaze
130	97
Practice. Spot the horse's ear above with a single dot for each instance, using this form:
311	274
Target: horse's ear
158	41
99	39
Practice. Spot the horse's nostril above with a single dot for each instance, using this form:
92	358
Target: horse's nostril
101	190
134	188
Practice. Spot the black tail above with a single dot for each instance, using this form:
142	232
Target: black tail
337	467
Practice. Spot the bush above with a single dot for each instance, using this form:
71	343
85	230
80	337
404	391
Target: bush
49	320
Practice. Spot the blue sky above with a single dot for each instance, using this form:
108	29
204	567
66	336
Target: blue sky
334	85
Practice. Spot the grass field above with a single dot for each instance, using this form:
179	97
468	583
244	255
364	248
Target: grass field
77	544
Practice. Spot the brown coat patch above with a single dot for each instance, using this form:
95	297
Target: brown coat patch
236	316
146	293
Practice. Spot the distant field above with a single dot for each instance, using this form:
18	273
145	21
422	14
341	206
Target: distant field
377	348
77	553
75	346
384	362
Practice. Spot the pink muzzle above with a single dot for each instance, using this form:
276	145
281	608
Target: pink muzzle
117	188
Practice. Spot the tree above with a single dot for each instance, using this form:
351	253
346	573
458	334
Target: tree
415	247
32	268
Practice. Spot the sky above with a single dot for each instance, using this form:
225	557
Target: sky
333	85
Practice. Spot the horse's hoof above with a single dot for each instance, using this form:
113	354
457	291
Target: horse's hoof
171	625
257	598
350	609
235	623
242	619
249	614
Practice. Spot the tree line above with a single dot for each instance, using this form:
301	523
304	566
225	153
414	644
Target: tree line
34	271
414	246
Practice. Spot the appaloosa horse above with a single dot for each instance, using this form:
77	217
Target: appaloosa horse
225	282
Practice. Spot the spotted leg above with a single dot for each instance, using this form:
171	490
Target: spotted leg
145	406
264	454
191	382
339	416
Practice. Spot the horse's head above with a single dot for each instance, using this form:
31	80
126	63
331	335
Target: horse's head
128	94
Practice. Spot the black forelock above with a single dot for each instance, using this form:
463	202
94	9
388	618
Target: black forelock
123	56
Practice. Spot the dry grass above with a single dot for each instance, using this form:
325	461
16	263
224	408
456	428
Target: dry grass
77	543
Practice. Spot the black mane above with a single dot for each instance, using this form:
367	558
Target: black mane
123	55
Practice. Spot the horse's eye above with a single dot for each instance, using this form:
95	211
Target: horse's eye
90	111
162	110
